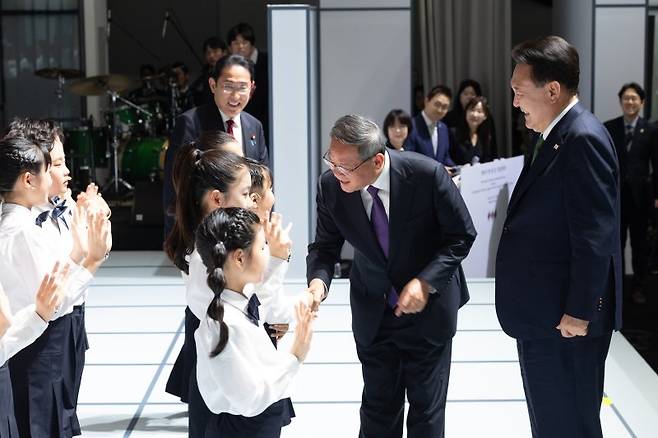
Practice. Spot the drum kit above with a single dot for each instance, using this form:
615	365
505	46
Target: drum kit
132	141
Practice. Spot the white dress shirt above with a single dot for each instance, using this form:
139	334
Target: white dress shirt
250	374
237	127
26	326
432	127
61	233
383	183
27	253
549	128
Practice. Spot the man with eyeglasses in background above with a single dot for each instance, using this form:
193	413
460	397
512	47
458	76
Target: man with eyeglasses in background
231	84
410	230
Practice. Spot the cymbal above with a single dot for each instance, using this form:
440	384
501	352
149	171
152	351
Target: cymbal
98	85
54	73
152	77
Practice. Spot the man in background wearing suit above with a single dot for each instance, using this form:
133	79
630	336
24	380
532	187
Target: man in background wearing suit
199	92
410	230
430	136
231	83
637	146
558	268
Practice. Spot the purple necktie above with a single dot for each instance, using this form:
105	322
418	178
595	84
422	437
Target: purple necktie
379	222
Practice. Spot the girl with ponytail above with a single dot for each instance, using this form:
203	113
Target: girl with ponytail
206	180
242	378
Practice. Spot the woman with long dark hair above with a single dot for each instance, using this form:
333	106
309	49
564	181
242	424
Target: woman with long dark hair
474	139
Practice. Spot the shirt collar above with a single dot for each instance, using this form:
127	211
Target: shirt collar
254	56
633	124
16	209
235	119
383	181
428	122
555	121
239	300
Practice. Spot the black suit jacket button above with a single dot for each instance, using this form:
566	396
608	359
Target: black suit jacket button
505	229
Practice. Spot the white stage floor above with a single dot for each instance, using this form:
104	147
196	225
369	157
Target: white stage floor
135	323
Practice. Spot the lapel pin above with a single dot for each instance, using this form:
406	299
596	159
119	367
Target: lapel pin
556	146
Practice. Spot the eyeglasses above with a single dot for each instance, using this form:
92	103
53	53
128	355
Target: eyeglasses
340	169
239	87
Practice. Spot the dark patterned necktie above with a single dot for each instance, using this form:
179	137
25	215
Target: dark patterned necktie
230	123
628	139
538	145
379	222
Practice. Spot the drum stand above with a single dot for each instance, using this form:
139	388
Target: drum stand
116	180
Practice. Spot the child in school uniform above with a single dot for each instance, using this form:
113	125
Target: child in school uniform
40	373
55	217
205	181
20	330
242	378
262	196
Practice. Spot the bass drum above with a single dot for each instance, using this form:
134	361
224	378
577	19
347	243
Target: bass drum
143	159
79	144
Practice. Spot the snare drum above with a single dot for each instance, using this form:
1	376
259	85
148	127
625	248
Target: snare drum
143	159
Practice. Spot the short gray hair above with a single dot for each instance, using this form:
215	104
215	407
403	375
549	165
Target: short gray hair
360	132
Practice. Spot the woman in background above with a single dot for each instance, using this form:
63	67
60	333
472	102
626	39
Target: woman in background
397	126
474	139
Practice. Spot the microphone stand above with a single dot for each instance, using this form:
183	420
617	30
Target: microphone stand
134	38
171	18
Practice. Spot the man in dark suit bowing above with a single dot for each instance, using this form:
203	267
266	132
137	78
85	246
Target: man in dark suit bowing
410	230
637	146
231	83
558	283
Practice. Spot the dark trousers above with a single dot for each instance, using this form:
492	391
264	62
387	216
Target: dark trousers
400	360
563	383
635	221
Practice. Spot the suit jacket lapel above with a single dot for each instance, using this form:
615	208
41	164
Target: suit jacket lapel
424	134
248	136
400	199
548	152
638	132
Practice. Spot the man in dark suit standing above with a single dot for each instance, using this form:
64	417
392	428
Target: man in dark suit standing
199	92
430	136
637	146
231	84
410	230
558	268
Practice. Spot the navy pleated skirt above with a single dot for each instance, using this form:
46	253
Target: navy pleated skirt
8	427
45	379
267	424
